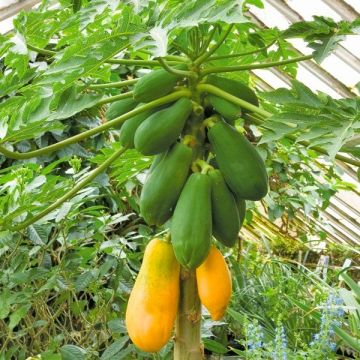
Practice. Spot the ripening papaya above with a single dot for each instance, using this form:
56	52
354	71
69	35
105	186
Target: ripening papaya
191	225
232	87
225	214
163	186
153	302
155	84
161	129
120	107
214	283
239	162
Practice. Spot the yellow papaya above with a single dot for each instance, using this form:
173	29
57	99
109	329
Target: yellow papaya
153	302
214	283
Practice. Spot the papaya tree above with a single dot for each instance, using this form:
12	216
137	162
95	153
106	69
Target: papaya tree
170	84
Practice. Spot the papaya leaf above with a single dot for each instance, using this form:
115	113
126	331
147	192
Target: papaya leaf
311	117
324	46
322	34
354	151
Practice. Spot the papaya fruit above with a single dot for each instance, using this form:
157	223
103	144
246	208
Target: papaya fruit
229	111
239	162
156	161
153	302
155	84
128	129
232	87
225	214
161	129
214	283
120	107
164	184
191	225
241	205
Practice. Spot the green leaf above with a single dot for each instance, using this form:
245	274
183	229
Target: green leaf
354	150
84	280
323	47
72	352
351	283
76	5
320	120
63	211
322	34
5	303
299	95
38	234
115	349
214	346
18	315
348	339
72	101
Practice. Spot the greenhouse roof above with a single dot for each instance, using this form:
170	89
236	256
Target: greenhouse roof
338	76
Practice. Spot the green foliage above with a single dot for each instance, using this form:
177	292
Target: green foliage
315	118
322	34
65	279
281	307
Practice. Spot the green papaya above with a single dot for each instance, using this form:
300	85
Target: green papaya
239	162
225	214
191	224
235	88
155	84
120	107
241	205
164	184
229	111
130	126
161	129
156	161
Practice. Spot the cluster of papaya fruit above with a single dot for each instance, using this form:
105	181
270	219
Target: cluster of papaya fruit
202	191
203	172
154	299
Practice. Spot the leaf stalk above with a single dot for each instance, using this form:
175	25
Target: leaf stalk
110	124
71	192
220	69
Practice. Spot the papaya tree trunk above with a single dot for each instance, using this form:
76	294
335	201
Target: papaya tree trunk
187	330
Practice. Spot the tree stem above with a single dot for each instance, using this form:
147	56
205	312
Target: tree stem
219	69
178	72
187	330
207	54
229	56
